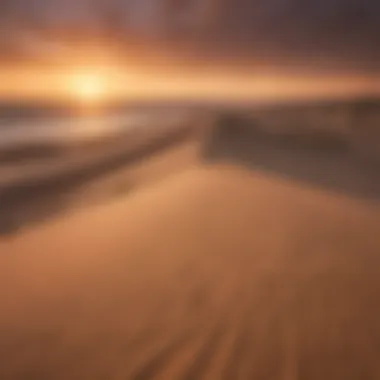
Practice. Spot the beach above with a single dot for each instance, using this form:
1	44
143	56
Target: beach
220	258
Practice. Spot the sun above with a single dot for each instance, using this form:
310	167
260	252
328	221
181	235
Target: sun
88	87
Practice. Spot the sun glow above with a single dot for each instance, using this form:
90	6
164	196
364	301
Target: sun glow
89	87
92	85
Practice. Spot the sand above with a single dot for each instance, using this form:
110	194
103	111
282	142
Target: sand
36	191
225	270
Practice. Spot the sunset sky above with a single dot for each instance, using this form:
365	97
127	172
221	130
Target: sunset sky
225	45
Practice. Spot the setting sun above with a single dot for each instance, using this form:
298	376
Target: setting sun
88	87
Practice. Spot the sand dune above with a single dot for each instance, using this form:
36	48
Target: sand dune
33	192
227	270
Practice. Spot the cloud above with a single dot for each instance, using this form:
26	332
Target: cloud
311	31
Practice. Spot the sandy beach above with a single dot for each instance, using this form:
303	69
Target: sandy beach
229	260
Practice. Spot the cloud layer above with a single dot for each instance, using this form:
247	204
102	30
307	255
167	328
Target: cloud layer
344	33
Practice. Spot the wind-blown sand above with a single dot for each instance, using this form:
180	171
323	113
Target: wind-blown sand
224	271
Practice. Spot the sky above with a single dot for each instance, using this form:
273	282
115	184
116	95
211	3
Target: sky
210	37
341	34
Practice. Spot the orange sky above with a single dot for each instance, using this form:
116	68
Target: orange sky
112	81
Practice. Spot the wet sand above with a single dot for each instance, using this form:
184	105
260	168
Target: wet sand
226	270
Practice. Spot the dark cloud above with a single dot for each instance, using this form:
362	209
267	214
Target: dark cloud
346	32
